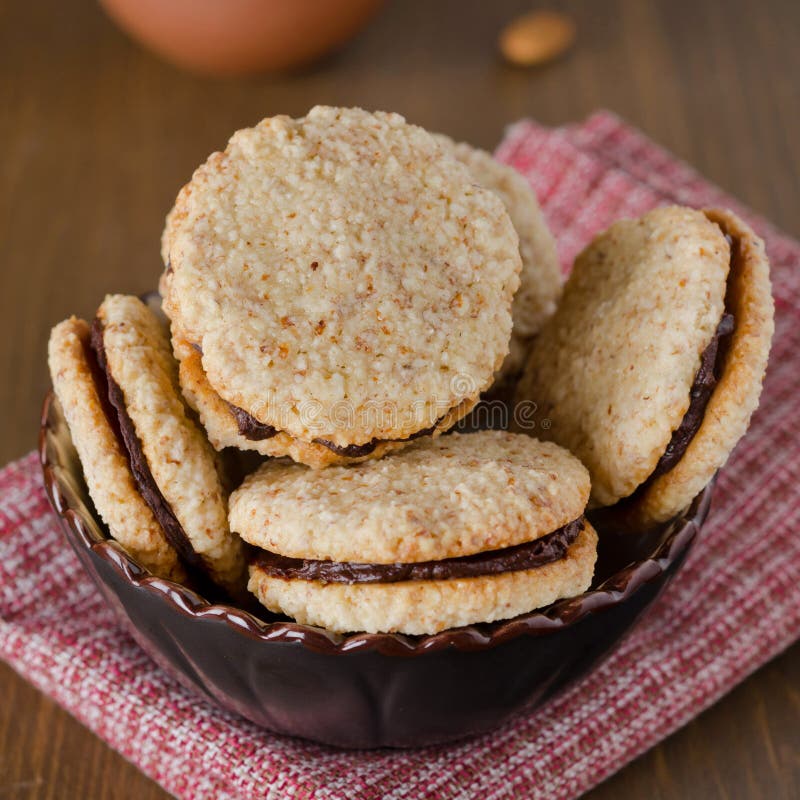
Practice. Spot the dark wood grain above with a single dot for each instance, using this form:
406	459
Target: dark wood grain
96	136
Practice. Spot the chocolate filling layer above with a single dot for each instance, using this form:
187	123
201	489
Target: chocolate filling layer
544	550
704	382
123	427
256	431
356	450
250	427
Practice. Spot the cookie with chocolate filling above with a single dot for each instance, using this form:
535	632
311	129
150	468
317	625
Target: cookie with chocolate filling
82	392
173	464
345	282
540	279
228	426
653	363
452	531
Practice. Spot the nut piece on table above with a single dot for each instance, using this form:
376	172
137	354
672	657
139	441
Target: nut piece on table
536	38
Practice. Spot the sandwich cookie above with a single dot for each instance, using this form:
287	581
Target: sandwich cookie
82	391
540	278
653	363
230	427
343	281
172	463
452	531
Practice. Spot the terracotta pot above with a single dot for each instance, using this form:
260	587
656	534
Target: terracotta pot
236	37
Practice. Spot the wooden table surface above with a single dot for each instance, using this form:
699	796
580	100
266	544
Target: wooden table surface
97	136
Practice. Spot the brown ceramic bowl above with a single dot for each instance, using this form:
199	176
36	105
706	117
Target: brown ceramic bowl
365	690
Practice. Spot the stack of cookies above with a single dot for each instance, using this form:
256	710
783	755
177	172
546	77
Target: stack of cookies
339	292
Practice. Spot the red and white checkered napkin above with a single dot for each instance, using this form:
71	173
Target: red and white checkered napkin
735	604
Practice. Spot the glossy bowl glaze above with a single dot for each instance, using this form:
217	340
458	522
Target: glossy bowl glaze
365	690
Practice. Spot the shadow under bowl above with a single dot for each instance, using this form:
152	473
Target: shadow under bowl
365	690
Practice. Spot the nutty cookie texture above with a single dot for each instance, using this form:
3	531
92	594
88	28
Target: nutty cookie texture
540	279
224	430
645	313
178	456
343	278
453	496
81	394
392	545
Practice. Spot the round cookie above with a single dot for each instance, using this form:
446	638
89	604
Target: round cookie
612	369
736	394
540	278
182	464
223	430
449	497
103	459
426	607
343	279
392	545
615	371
